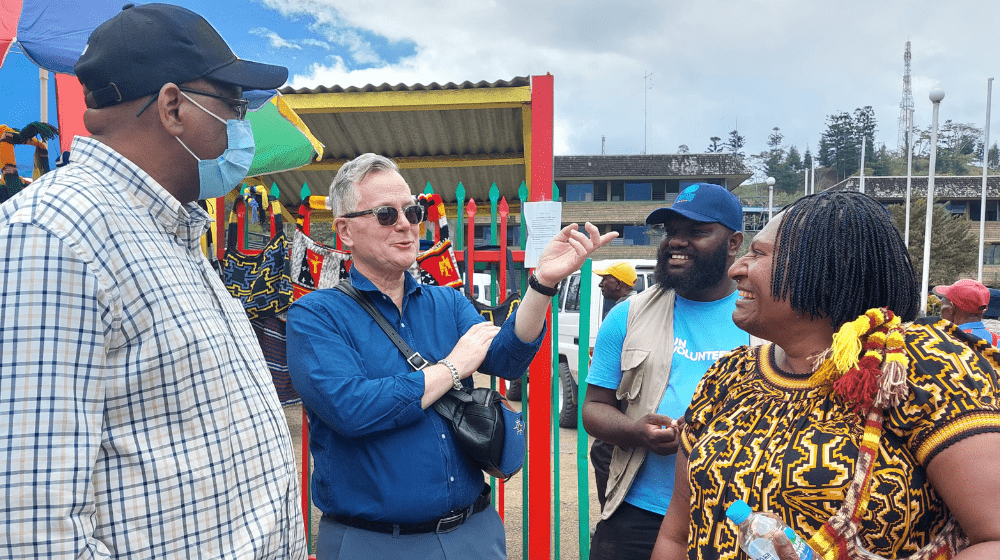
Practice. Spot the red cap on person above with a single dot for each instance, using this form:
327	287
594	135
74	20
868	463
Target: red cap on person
968	295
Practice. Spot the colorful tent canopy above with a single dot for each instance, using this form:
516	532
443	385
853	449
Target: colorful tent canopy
53	33
282	141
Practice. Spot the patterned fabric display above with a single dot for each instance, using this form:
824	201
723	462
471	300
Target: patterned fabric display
270	333
498	314
784	444
438	266
316	266
260	281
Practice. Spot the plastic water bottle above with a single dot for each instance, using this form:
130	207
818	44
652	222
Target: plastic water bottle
757	531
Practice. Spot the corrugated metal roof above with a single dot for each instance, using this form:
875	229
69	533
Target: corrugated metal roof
945	186
520	81
659	166
440	134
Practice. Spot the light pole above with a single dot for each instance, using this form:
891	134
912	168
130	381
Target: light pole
909	175
986	166
770	197
936	96
864	141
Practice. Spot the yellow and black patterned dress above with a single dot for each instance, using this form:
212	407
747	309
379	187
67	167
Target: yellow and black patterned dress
771	438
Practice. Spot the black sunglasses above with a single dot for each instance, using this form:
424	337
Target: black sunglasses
387	215
238	105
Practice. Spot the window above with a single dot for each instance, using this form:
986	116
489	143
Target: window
617	191
991	253
975	209
573	294
639	191
640	283
483	236
659	189
601	191
636	235
579	192
957	207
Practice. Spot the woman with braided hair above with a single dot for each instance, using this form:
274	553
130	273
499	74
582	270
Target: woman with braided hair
869	435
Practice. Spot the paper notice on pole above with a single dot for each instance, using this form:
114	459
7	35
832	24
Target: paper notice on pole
543	220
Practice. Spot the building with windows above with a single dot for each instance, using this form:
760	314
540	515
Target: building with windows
962	195
617	192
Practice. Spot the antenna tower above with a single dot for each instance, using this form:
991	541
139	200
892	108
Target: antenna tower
906	105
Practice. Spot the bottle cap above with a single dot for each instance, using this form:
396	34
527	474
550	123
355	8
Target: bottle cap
738	512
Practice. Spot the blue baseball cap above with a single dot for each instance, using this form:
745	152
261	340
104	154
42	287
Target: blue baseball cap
703	202
513	449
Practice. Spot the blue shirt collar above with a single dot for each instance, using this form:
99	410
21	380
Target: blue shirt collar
359	281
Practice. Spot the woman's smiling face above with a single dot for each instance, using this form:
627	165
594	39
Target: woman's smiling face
757	312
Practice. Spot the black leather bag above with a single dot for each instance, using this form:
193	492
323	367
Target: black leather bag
486	428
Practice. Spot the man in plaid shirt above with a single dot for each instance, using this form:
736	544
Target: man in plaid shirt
137	414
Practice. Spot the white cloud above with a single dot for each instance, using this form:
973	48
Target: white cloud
717	64
316	43
277	42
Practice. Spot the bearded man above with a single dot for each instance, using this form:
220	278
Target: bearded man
650	354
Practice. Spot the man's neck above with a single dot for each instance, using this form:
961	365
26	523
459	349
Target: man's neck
969	319
720	290
392	284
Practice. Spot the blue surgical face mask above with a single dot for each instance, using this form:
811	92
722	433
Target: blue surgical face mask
220	175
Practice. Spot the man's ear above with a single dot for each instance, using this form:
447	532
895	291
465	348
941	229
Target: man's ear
344	233
735	242
168	104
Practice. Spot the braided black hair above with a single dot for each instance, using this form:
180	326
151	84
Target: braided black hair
839	255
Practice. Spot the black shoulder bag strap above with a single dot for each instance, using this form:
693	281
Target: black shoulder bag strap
413	358
444	406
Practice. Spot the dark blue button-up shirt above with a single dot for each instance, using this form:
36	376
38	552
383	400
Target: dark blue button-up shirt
378	455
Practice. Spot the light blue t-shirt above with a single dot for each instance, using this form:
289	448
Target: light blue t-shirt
703	332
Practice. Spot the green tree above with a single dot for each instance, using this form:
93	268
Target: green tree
683	149
783	165
794	160
883	163
864	128
714	147
957	143
838	148
953	245
735	144
840	144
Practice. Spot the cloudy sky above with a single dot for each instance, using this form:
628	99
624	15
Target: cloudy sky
715	65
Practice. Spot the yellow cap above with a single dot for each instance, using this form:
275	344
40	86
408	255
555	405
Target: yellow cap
620	270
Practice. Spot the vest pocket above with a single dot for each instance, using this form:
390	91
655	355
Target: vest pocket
632	374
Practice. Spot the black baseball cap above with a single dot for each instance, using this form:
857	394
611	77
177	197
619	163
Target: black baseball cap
143	47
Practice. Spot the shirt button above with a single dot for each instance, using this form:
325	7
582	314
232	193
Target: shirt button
452	479
442	436
402	325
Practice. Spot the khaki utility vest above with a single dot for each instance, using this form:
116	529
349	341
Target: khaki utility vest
647	353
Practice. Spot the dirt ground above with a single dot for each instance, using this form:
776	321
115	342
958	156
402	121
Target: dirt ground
569	535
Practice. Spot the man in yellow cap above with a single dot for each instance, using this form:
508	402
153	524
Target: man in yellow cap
616	283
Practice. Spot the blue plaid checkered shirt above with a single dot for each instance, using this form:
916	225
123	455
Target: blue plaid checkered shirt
137	416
